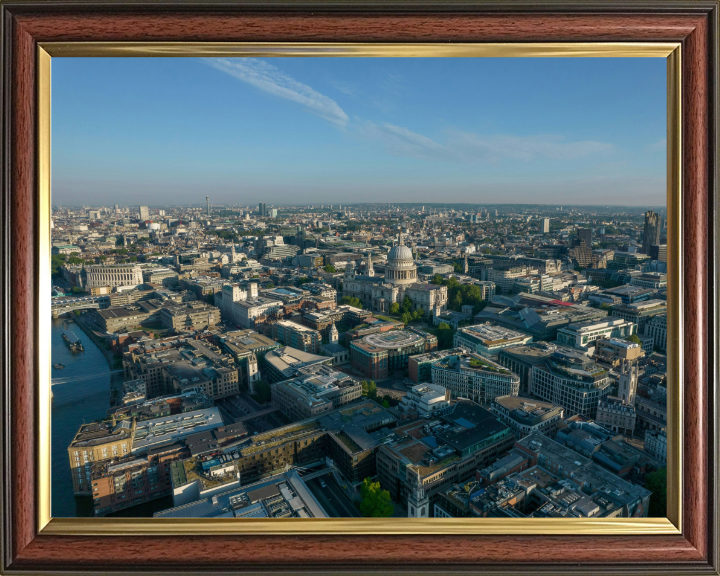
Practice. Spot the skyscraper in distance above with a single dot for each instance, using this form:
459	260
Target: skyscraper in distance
207	201
144	213
584	235
651	233
545	225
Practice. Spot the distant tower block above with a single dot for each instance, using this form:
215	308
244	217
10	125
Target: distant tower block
207	201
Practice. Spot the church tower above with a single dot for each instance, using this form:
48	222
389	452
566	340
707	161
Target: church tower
627	381
334	335
418	501
370	271
466	268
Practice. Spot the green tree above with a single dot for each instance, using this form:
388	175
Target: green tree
444	333
634	338
656	482
376	502
437	279
395	308
407	304
329	268
369	388
262	391
351	301
211	298
406	317
385	404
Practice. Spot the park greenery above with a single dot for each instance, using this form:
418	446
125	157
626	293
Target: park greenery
460	295
261	392
351	301
445	335
656	482
329	268
375	502
634	338
369	389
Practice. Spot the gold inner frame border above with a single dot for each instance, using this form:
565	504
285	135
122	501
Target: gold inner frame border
357	526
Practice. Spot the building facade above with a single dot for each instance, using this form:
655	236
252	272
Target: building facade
474	377
113	276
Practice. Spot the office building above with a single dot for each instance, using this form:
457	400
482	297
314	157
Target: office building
283	495
420	459
659	252
640	313
285	362
572	380
525	416
616	415
487	339
584	334
144	213
584	237
613	352
317	389
474	377
424	400
379	355
656	327
297	336
113	276
262	210
97	442
545	227
651	232
521	359
656	444
420	365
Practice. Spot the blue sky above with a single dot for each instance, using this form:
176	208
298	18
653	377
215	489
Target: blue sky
338	130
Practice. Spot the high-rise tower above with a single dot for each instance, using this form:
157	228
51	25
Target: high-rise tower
207	201
651	233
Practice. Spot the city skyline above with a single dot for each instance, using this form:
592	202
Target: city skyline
404	130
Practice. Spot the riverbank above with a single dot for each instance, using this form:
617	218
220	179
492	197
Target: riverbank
100	343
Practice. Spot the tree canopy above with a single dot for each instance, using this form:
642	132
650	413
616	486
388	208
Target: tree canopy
656	482
369	388
634	338
329	268
351	301
376	502
445	334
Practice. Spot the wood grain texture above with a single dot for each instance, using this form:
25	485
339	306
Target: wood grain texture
22	311
318	27
695	236
666	554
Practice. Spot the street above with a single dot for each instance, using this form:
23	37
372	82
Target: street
332	498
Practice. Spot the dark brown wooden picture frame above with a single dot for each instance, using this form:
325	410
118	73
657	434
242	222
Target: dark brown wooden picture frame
694	24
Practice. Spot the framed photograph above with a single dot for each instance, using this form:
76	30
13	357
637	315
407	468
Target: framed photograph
359	288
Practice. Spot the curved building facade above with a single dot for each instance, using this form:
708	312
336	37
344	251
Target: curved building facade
121	275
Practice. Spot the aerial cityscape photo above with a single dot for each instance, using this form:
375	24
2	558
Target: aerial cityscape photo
359	287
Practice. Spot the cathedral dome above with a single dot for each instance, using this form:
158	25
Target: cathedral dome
400	252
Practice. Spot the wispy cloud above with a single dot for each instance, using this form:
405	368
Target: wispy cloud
474	147
271	79
467	147
400	141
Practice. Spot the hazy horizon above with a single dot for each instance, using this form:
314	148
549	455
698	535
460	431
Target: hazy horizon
550	131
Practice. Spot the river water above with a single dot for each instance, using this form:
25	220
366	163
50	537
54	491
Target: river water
83	398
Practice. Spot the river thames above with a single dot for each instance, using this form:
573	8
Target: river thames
83	395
